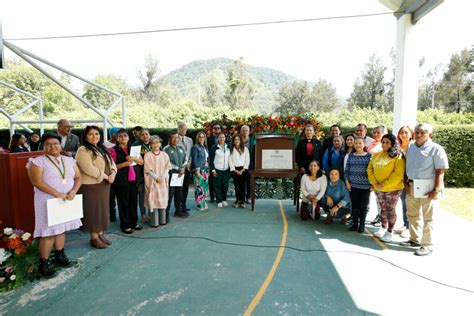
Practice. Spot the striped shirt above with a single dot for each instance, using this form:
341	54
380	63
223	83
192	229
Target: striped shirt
356	171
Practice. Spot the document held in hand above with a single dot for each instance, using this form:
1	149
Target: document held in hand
421	187
135	153
60	211
176	181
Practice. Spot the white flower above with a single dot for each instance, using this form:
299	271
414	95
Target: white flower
13	236
4	255
13	277
25	236
8	231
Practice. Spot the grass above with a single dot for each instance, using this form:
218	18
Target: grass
459	202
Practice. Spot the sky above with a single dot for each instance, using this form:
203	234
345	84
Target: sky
335	50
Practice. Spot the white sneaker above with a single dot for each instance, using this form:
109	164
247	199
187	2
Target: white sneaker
387	237
220	205
206	206
380	233
224	203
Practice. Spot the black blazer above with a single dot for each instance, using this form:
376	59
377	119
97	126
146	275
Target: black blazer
302	159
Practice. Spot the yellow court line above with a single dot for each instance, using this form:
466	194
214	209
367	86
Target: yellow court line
271	274
381	244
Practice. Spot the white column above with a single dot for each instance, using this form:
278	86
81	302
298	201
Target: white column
406	75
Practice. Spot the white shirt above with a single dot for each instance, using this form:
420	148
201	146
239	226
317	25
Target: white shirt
63	140
237	159
221	159
315	188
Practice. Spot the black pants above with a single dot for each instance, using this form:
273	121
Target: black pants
187	177
112	204
212	190
247	184
360	205
239	183
177	194
127	204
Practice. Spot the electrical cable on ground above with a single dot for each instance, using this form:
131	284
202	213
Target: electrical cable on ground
201	27
301	250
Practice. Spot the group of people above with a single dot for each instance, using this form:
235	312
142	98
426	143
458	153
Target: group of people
337	175
340	178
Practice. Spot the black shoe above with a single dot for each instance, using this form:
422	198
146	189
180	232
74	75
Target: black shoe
361	229
353	228
45	269
127	231
376	221
138	227
409	244
186	210
61	259
182	215
212	201
113	219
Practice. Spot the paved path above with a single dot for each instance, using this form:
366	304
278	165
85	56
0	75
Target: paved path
168	271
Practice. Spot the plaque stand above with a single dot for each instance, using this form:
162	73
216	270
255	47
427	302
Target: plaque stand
276	143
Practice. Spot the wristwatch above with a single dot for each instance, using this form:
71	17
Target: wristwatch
437	190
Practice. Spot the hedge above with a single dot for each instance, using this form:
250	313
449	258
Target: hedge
455	139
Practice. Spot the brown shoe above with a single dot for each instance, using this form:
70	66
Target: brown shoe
97	243
328	219
104	240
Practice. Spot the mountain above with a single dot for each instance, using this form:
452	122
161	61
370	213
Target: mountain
188	78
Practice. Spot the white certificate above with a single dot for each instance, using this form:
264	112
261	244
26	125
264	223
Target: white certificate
135	152
421	187
60	211
277	159
176	181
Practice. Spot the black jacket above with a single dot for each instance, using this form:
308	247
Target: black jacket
302	159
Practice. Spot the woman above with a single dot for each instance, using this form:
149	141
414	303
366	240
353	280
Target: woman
386	171
156	168
53	176
200	169
348	147
98	171
334	156
17	143
377	134
219	160
144	143
313	186
34	141
125	184
357	182
239	161
405	138
336	201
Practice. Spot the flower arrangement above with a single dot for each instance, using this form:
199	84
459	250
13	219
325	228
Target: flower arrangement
285	124
18	258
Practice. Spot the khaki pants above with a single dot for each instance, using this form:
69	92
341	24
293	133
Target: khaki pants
420	217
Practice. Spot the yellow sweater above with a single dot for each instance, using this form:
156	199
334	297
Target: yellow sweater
387	171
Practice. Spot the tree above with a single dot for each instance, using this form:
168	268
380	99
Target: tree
103	99
323	97
428	89
149	76
240	92
213	91
456	87
294	97
369	89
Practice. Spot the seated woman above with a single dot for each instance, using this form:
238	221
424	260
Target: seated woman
53	176
34	141
313	187
17	143
337	201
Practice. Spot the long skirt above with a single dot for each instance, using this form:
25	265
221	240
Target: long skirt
95	203
201	187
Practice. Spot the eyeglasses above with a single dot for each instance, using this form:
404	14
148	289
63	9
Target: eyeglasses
51	144
216	127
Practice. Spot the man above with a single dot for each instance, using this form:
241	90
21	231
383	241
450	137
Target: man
425	160
249	142
361	131
186	143
308	149
178	165
69	142
135	134
211	141
334	131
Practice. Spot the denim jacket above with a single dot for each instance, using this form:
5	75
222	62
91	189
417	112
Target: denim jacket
339	194
199	155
